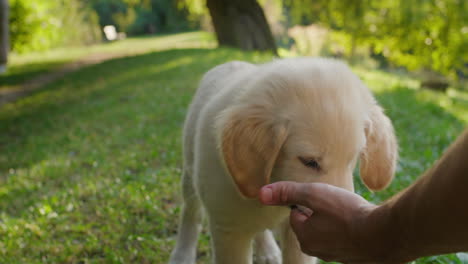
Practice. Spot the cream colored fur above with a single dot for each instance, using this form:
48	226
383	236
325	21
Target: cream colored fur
247	127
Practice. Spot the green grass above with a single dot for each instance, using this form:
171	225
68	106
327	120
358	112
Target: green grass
90	166
22	67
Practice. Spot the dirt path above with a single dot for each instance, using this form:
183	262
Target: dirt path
38	82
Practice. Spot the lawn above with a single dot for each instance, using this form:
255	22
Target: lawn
90	165
25	66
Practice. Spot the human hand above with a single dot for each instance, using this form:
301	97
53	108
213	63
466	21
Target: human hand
339	228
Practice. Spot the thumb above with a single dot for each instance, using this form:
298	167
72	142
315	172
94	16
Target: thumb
287	193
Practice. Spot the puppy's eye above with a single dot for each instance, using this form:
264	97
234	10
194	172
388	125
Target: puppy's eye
309	162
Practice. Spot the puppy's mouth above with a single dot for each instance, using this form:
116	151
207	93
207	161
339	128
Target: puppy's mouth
304	210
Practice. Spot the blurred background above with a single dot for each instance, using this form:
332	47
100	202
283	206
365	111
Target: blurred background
93	96
427	36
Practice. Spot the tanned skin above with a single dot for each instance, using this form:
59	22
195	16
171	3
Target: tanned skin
428	218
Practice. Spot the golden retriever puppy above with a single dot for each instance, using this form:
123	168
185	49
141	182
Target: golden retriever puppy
303	120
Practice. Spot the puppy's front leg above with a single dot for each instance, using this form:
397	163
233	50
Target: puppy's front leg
292	253
231	246
266	249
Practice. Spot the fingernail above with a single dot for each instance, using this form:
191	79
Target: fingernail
267	195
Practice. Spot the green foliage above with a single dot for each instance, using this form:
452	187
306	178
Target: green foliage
24	67
90	166
421	34
417	34
41	25
141	16
433	37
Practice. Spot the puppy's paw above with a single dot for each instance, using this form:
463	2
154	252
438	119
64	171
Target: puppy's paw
181	258
266	249
272	257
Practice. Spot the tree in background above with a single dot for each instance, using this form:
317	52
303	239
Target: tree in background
41	25
241	24
4	40
45	24
420	34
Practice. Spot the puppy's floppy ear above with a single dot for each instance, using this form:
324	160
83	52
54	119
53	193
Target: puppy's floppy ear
250	142
378	161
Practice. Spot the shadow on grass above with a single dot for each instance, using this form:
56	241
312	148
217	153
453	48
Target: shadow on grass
73	115
18	74
96	92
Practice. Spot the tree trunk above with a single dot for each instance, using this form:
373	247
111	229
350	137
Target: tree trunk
241	24
4	40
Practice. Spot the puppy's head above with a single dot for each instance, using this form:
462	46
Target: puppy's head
306	121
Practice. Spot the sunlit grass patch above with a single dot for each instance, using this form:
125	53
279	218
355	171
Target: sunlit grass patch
23	67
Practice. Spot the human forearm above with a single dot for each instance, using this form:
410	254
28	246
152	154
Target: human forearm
428	218
431	216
